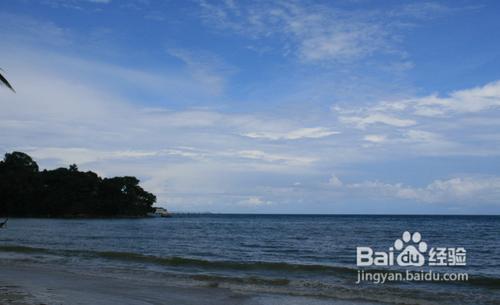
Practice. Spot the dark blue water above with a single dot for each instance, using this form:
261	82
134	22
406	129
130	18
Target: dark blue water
302	255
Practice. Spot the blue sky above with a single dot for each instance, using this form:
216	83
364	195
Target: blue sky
263	106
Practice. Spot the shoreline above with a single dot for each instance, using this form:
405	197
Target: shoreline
33	284
226	260
78	217
216	214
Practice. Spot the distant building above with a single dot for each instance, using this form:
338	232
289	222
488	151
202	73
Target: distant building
160	212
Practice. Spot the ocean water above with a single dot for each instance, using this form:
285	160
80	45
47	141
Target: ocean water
301	255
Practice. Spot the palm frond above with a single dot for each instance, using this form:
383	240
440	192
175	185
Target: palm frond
5	82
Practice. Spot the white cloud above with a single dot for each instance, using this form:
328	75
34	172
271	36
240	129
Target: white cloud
460	188
466	101
254	201
335	181
84	155
462	101
377	118
80	155
375	138
318	32
312	133
269	157
457	189
430	125
420	9
422	136
472	100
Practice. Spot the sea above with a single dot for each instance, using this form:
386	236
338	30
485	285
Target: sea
312	256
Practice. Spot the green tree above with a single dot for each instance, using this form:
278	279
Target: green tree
66	192
19	183
19	161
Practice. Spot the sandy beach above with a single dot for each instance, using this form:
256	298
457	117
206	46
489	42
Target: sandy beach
39	285
36	285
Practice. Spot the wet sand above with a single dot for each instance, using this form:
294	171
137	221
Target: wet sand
39	285
35	285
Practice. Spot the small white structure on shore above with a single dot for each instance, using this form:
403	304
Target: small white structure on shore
160	212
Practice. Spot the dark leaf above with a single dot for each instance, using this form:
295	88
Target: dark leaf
5	82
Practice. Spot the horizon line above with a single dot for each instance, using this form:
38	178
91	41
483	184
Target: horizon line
334	214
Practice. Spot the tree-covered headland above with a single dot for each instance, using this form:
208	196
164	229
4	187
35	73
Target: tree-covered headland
25	191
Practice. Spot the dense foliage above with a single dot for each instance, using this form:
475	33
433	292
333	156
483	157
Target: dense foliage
66	192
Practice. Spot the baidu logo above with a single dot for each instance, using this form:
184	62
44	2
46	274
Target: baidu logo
411	250
408	250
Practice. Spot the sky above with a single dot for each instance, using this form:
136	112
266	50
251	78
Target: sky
350	106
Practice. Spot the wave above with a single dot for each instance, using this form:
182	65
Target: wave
214	265
24	249
232	265
485	281
177	261
252	280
